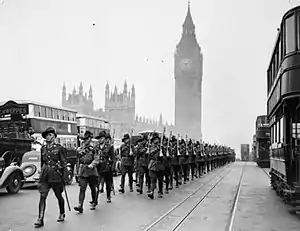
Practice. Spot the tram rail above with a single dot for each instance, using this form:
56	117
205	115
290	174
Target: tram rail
183	218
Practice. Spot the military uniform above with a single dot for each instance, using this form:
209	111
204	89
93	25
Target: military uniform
192	158
106	160
143	161
175	167
127	160
183	160
53	162
156	166
199	159
87	161
167	163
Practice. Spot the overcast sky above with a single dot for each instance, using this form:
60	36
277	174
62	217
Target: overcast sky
45	43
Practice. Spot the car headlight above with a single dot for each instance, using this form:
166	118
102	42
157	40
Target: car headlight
29	170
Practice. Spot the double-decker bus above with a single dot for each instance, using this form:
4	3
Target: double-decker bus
262	141
283	107
37	117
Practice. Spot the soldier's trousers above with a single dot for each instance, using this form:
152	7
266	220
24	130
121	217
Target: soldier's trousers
101	181
184	170
129	171
192	168
200	167
83	182
208	163
175	174
107	178
154	176
144	173
167	174
44	188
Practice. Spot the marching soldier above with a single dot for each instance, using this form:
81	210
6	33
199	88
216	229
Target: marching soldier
87	161
192	158
143	163
183	160
136	167
199	159
207	157
167	163
156	165
106	158
113	159
127	162
53	164
174	162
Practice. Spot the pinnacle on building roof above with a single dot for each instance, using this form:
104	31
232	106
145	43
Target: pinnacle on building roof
90	91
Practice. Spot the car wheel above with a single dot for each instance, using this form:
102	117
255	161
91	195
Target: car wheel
15	183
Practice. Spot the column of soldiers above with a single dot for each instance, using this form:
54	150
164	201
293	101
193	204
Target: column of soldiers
157	161
160	160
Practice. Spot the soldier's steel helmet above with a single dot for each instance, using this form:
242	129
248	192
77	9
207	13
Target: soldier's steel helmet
49	130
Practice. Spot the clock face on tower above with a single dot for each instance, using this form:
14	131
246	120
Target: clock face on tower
185	64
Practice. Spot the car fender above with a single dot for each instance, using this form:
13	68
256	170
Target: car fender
8	172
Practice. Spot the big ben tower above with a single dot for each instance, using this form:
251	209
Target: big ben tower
188	81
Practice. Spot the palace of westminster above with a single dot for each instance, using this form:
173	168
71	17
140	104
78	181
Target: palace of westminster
119	108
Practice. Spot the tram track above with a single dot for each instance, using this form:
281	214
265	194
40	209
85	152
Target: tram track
230	224
162	222
156	225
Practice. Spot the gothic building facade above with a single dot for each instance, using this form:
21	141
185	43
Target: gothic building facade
119	109
188	68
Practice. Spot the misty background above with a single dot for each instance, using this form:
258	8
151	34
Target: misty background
44	44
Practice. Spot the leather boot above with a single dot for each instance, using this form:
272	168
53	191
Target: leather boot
61	217
40	221
79	208
151	195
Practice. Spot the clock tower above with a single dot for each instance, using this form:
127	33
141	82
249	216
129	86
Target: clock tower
188	69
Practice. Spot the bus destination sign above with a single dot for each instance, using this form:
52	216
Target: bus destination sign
13	108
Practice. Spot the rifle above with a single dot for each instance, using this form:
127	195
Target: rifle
112	177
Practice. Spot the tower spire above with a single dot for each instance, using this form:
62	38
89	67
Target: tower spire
188	25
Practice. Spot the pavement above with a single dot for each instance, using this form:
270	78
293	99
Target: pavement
127	211
259	208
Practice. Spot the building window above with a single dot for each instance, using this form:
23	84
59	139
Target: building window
281	131
290	44
298	30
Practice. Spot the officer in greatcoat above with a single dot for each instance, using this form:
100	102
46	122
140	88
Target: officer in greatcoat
87	161
127	160
106	160
156	165
53	162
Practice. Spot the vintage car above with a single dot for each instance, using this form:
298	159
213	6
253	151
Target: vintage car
31	166
11	175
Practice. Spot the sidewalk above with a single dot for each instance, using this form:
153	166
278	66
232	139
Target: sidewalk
259	208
